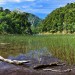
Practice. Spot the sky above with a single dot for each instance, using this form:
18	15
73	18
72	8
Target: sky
41	8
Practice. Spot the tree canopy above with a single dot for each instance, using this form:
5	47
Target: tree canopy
61	19
16	22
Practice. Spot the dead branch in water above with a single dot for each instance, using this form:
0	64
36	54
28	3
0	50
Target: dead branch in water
17	62
48	65
67	70
4	43
38	66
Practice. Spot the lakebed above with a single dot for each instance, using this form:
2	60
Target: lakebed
46	49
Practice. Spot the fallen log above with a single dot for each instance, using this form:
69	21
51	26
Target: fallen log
17	62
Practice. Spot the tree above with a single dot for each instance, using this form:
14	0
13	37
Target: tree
1	9
60	19
14	22
7	11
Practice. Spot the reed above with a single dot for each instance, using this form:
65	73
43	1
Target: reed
61	46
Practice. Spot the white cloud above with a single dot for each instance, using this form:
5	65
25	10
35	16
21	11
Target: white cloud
44	11
61	5
36	6
70	1
2	2
29	0
14	0
17	1
25	7
36	10
45	6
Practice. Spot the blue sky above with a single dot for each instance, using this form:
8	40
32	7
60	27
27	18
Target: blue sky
40	8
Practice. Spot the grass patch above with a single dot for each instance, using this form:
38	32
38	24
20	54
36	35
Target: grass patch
61	46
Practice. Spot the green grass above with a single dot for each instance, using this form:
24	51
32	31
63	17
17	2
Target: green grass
61	46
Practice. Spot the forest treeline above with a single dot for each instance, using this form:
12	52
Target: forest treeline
17	22
60	20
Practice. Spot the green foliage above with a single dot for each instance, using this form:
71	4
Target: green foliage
16	22
61	19
35	22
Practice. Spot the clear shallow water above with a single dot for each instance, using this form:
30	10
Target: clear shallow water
35	56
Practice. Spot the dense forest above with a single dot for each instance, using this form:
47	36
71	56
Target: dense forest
17	22
60	20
